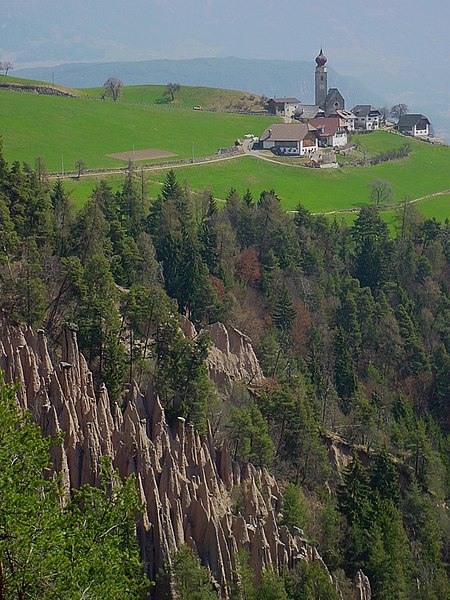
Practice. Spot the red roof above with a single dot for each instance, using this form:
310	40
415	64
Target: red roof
327	126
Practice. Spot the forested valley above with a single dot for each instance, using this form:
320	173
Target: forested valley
351	325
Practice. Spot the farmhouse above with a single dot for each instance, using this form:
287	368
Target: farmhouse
298	139
366	117
283	106
414	125
333	132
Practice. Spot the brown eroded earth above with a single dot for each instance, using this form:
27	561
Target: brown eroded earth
142	154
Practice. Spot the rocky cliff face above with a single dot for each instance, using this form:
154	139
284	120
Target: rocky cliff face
193	494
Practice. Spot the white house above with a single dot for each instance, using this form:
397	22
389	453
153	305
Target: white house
414	125
366	117
297	139
332	131
283	106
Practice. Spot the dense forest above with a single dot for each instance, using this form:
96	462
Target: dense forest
351	325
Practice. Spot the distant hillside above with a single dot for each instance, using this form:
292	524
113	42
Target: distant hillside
269	77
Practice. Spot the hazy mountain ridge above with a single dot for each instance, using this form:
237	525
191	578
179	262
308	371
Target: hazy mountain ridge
269	77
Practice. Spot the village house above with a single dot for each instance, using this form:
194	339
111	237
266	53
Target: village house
347	116
305	112
297	139
333	132
414	125
366	117
283	106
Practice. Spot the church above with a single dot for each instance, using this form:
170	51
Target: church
325	123
327	101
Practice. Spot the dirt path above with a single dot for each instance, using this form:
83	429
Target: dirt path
154	167
385	206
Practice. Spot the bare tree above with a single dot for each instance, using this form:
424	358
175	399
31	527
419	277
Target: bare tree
41	170
6	66
380	191
171	90
398	110
81	167
112	87
385	112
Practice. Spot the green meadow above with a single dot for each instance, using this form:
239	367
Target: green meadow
292	186
65	130
425	171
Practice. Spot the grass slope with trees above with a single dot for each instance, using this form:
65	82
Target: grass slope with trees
63	131
53	127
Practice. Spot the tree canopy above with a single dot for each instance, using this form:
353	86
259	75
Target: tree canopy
53	547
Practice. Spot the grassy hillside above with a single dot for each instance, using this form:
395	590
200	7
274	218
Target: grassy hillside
187	97
261	76
66	130
425	171
55	127
8	79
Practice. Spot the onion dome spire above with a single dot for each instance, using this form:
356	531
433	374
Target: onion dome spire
321	60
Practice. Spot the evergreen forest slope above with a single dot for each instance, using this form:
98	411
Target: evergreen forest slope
351	327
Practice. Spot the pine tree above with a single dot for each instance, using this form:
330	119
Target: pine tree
292	508
354	492
30	289
384	478
370	235
131	205
190	580
283	312
345	374
271	586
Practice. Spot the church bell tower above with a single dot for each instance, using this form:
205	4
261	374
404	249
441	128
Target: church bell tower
321	80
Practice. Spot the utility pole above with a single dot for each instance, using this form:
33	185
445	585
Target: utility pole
193	153
62	166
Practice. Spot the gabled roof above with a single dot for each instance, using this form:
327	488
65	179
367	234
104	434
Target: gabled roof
333	92
327	126
307	111
286	132
343	114
363	110
285	100
408	121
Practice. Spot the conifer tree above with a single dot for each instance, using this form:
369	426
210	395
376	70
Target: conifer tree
354	492
190	580
384	478
283	312
345	374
